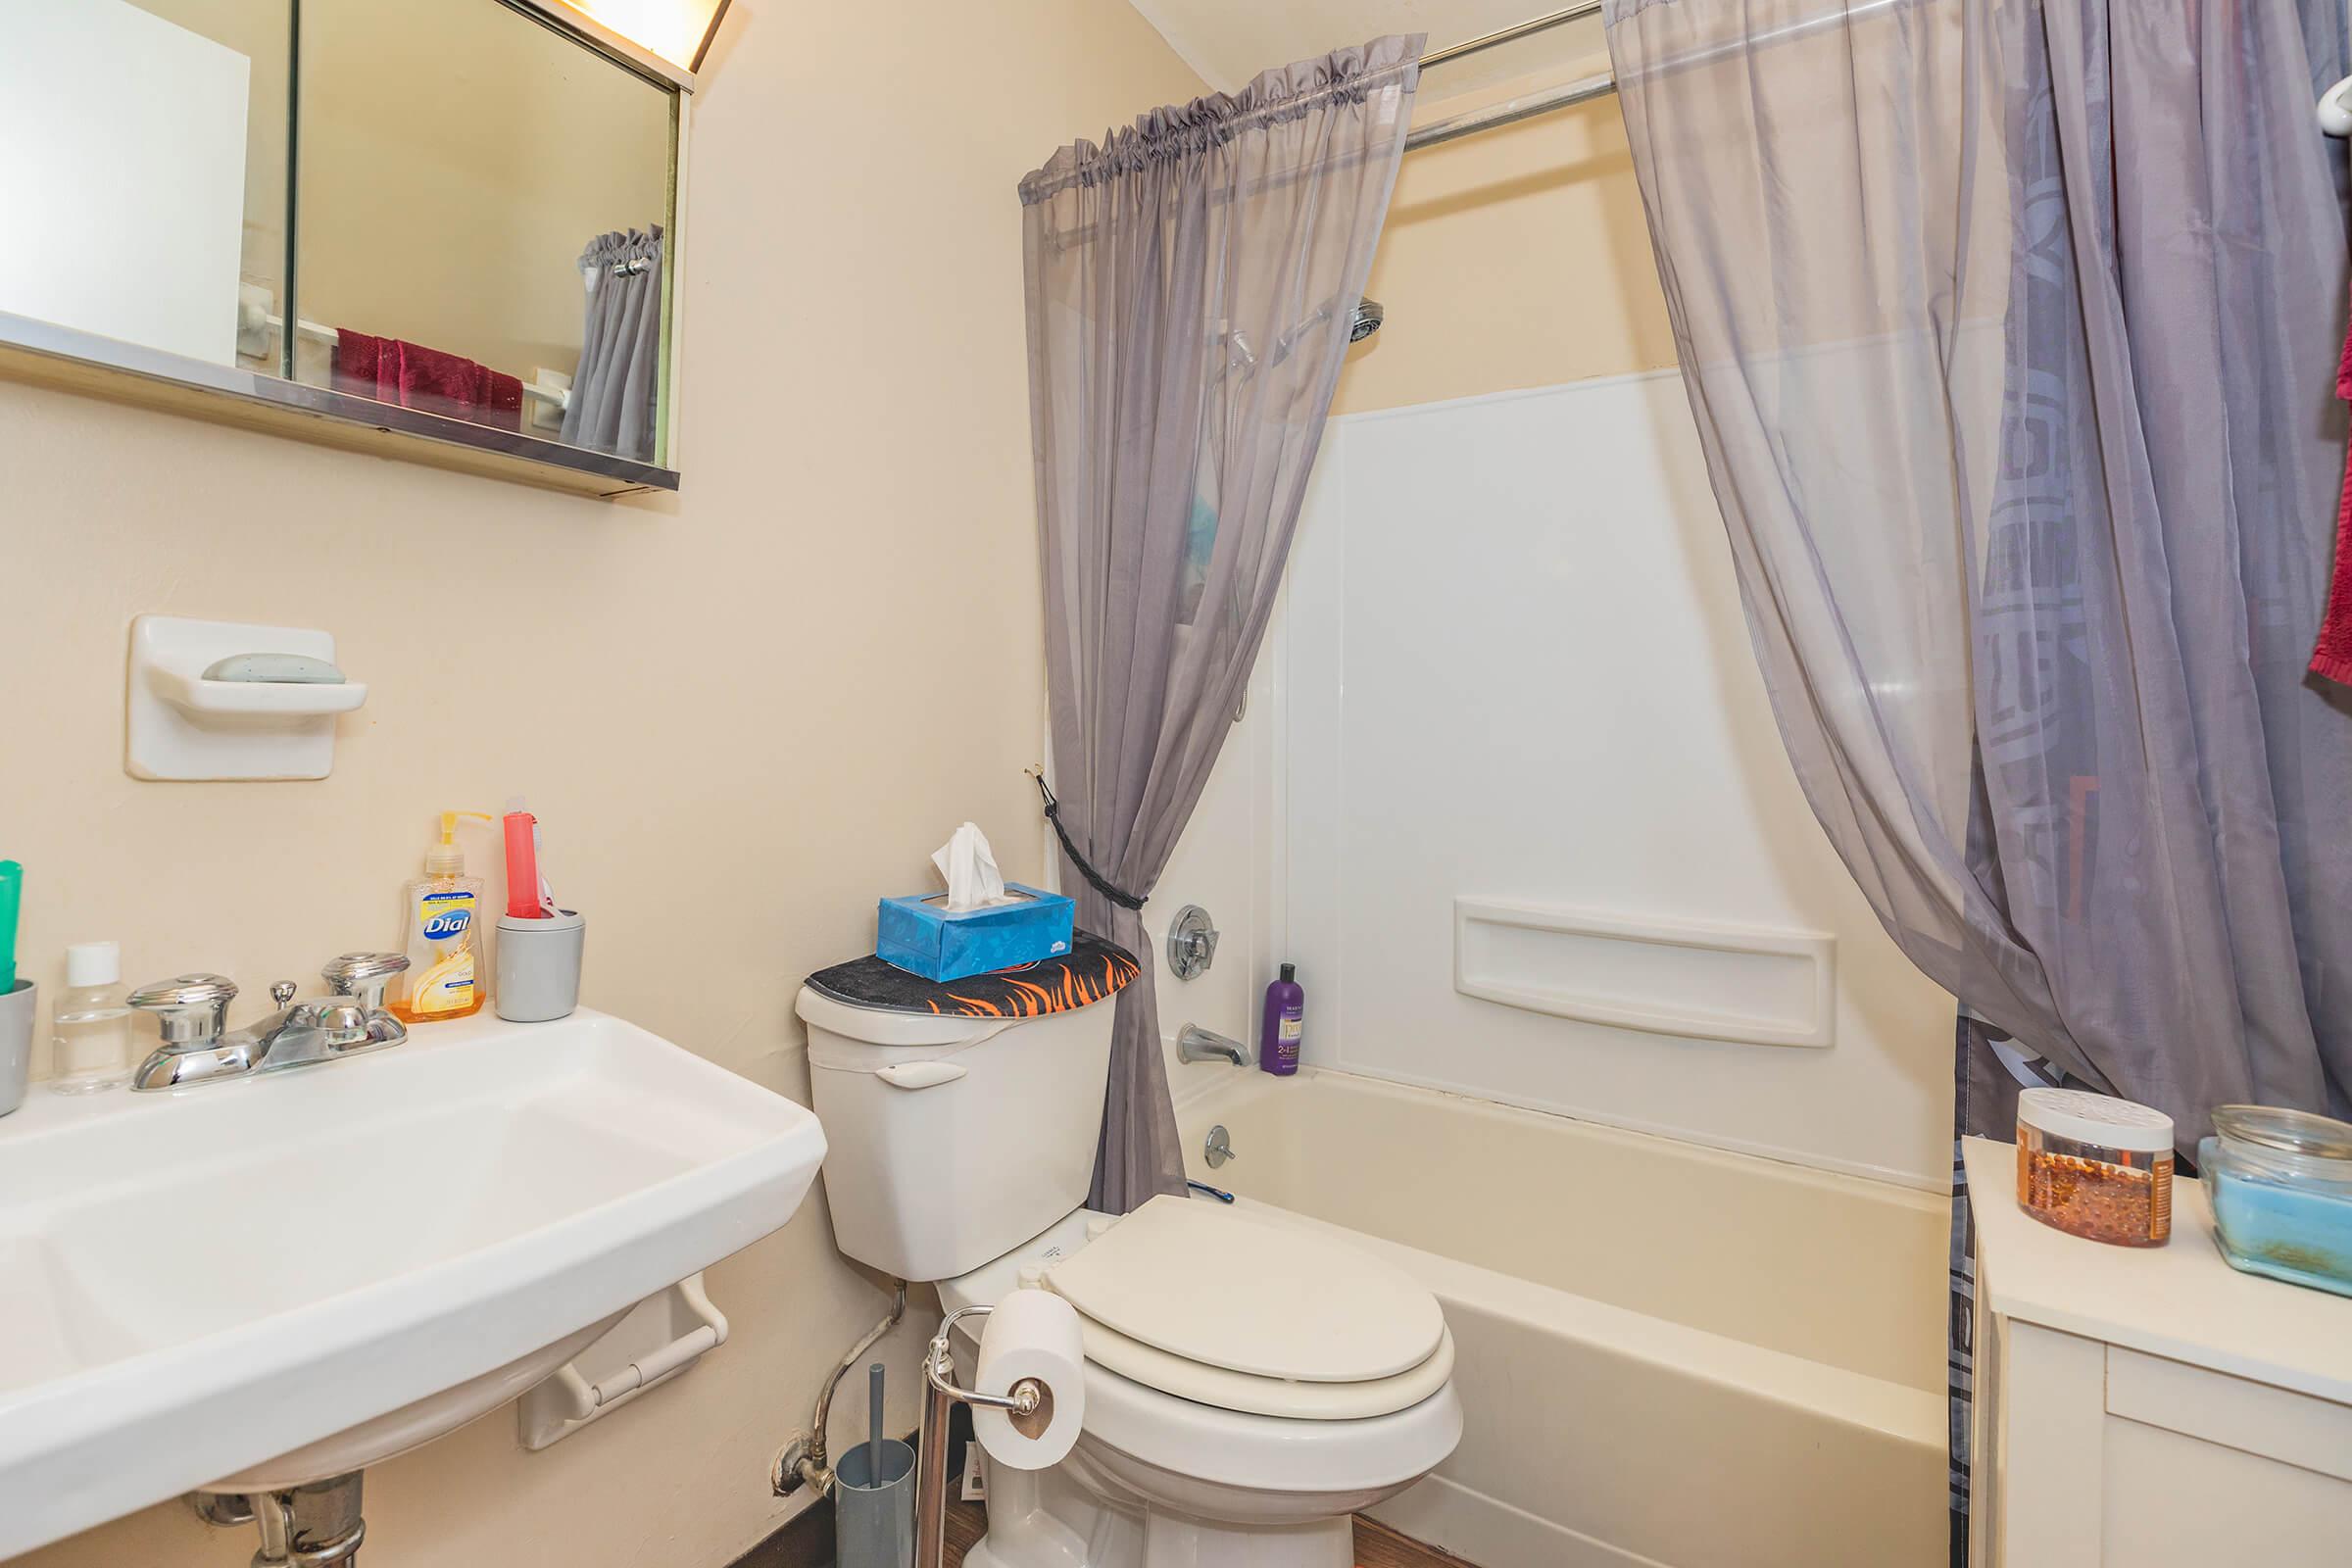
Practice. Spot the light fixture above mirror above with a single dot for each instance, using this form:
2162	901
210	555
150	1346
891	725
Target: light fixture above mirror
671	37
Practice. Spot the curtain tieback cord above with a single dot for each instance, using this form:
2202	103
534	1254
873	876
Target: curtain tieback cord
1093	878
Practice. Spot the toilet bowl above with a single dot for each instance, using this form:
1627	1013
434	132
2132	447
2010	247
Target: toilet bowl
1249	1384
1164	1478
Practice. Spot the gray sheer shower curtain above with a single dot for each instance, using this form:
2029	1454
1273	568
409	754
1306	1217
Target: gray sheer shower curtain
2011	329
1189	285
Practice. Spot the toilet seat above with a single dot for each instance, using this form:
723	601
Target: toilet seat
1228	1310
1247	1394
1196	1261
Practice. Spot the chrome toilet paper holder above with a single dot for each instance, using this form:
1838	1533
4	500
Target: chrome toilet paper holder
940	1395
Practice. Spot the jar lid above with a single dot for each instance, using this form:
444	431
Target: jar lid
2101	1119
2289	1132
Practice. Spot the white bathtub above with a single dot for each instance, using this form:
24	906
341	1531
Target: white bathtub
1668	1354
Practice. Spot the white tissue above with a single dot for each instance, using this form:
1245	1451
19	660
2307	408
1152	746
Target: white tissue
973	880
1031	1334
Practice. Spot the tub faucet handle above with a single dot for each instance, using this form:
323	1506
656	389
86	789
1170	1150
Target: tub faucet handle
1192	942
1219	1148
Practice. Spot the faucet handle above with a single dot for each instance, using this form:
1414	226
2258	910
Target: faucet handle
192	1010
363	976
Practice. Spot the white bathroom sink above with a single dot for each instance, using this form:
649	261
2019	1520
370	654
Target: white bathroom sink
274	1279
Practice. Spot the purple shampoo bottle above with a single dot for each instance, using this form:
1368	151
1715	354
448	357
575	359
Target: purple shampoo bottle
1285	1023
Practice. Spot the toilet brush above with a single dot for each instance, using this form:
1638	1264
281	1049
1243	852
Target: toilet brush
873	1420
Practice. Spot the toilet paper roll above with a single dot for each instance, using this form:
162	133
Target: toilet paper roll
1032	1334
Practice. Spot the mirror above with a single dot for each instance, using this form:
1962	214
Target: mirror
454	209
480	194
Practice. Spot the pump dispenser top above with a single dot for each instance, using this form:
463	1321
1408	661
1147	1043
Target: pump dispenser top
446	858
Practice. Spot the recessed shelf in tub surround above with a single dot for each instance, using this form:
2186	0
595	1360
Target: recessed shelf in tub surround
1754	985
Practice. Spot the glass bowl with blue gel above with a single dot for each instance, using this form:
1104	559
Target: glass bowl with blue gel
2281	1185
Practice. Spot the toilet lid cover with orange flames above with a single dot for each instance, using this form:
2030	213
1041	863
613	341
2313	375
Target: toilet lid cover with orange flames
1091	970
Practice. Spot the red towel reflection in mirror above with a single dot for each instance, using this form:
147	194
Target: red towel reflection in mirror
414	377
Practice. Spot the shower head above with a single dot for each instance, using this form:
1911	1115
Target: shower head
1242	359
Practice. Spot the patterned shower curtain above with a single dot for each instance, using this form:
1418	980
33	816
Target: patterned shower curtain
2011	327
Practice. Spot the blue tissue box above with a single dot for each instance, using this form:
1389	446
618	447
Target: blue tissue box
920	936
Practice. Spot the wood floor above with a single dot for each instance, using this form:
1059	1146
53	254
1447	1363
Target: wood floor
1376	1545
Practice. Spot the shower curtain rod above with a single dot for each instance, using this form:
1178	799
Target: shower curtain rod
1512	34
1510	113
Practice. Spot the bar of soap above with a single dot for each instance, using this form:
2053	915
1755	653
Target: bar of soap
296	668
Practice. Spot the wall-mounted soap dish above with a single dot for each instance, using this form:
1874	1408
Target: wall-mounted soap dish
660	1336
223	700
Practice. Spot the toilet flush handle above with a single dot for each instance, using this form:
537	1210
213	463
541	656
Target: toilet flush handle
920	1074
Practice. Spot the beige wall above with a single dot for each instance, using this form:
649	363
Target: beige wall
1514	258
742	712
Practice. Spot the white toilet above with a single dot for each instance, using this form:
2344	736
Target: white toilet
1250	1382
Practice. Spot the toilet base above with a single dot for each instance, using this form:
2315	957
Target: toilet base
1051	1519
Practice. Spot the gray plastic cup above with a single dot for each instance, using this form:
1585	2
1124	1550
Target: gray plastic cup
539	966
18	1007
874	1520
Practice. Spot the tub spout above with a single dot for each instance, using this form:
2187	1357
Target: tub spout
1196	1043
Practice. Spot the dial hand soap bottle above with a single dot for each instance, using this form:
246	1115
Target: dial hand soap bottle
441	933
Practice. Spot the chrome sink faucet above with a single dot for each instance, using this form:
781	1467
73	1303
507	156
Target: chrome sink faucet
1196	1043
197	1047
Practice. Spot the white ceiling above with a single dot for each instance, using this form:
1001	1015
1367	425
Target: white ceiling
1230	41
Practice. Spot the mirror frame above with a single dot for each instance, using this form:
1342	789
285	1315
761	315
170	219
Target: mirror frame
46	354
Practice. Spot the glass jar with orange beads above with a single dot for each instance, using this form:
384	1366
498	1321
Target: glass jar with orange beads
2095	1166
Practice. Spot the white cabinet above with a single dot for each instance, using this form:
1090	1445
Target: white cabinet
2146	1408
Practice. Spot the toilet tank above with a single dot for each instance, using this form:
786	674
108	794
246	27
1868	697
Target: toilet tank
952	1141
